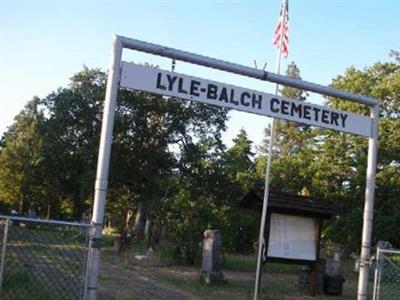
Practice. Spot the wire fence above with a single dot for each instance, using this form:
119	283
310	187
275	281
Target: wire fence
387	275
43	259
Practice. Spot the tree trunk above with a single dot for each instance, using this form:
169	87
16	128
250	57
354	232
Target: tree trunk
48	211
154	236
129	215
78	203
21	207
139	222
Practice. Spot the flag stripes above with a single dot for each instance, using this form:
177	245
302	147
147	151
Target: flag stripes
281	34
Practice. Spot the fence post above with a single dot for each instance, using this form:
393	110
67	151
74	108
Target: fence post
3	253
376	280
85	286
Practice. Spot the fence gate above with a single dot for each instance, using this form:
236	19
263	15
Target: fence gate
387	275
43	259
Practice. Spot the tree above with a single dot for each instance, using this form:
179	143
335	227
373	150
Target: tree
238	168
162	149
332	165
21	161
289	136
239	232
71	134
292	150
347	166
157	138
194	202
67	138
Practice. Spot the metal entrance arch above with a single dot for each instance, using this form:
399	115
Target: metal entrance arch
119	43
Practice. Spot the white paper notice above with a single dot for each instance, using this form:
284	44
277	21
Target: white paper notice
293	237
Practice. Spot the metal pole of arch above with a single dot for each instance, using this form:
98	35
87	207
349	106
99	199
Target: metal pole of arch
103	163
242	70
362	293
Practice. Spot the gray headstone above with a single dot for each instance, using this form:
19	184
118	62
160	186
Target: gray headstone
211	262
334	263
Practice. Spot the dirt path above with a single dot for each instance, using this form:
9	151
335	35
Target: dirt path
117	283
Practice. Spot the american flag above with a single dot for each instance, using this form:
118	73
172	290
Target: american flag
281	35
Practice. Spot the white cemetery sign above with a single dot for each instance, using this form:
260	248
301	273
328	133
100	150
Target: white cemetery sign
173	84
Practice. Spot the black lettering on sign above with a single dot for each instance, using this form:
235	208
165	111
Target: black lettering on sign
171	81
159	85
306	112
180	86
296	109
194	88
212	91
232	97
316	113
325	116
256	99
272	103
224	95
284	107
242	98
343	117
334	118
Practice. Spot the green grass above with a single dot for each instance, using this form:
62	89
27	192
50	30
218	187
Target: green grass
20	285
239	270
43	235
281	286
108	240
279	281
234	288
41	263
230	290
236	262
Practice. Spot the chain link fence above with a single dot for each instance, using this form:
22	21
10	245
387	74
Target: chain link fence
43	259
387	275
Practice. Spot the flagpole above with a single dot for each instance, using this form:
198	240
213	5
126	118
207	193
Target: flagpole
261	242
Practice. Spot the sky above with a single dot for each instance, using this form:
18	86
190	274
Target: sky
43	43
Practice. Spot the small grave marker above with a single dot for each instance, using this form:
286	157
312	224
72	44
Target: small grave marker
211	258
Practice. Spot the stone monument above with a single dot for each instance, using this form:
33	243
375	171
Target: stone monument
334	265
211	258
